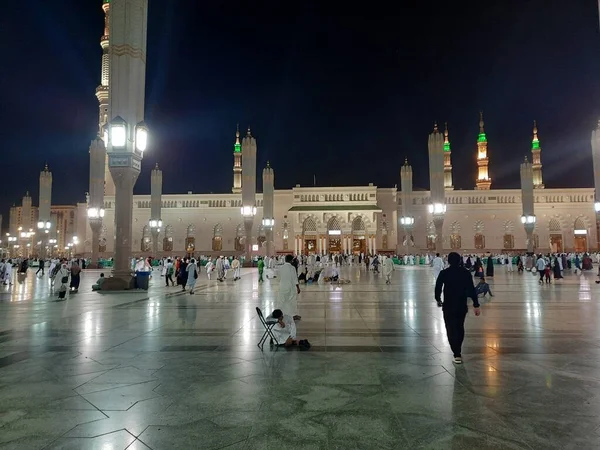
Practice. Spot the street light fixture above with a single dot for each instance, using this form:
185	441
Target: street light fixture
407	221
268	223
118	132
95	213
528	219
141	137
248	211
437	208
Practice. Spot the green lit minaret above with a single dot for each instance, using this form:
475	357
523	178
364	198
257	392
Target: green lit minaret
536	157
237	163
447	161
483	181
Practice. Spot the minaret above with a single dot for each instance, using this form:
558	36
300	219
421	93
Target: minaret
484	182
237	164
447	162
536	157
156	183
26	221
268	201
44	223
102	92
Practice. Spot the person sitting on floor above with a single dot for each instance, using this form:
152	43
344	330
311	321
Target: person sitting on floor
483	288
99	283
285	331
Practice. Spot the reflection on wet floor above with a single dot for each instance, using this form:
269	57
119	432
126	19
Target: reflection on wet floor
163	369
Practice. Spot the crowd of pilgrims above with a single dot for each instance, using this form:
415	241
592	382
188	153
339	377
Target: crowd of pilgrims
66	271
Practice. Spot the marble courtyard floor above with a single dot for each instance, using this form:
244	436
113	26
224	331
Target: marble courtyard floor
160	369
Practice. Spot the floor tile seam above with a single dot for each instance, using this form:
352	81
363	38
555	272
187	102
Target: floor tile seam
494	436
136	440
122	385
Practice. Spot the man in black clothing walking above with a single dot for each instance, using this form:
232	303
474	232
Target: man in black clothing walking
457	284
41	266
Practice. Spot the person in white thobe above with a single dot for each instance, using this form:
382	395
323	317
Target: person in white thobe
288	286
209	268
235	265
285	329
509	264
438	265
192	270
388	268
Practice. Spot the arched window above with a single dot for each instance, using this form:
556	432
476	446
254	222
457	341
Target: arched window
146	239
217	240
190	240
431	236
455	239
168	239
508	241
102	240
240	238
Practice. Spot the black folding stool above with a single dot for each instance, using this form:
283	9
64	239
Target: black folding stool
268	323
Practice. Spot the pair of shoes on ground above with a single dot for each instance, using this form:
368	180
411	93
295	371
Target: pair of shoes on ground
304	344
457	360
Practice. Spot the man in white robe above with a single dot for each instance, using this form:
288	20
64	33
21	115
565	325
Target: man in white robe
288	286
388	268
285	331
509	263
438	265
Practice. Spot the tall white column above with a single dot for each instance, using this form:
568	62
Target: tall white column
528	217
268	204
127	136
406	220
437	208
248	190
44	223
155	207
96	199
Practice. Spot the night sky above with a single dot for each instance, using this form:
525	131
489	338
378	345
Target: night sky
343	98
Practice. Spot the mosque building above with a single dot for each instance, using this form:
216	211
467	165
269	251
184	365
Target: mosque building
355	219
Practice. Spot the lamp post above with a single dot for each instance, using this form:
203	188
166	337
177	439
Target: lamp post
44	230
155	208
127	134
248	209
528	218
406	220
437	208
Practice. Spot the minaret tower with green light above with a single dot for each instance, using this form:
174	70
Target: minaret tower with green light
102	92
536	154
484	182
447	162
237	164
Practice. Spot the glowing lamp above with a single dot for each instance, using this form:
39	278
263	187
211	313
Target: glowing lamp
528	219
141	137
118	133
437	208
